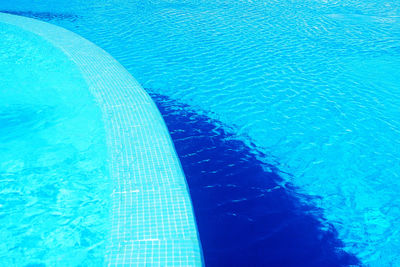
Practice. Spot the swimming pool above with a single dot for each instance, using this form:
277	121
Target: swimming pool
141	215
313	84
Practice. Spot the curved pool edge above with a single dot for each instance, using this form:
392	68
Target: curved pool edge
152	216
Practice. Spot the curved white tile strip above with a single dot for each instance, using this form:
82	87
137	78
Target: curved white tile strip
152	217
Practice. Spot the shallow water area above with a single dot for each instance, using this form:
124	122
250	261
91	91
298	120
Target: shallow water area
54	183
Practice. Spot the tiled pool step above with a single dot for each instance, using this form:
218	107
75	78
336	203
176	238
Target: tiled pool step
152	216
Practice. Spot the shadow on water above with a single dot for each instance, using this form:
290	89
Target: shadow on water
244	216
45	16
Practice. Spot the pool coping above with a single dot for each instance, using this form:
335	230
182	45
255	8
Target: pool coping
152	218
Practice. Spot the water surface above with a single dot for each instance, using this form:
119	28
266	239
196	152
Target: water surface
54	187
313	84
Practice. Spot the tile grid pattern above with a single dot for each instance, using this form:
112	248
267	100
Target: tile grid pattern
152	217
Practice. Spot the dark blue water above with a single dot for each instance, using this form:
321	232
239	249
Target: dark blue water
245	217
45	16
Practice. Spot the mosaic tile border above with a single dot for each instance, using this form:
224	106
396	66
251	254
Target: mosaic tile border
152	216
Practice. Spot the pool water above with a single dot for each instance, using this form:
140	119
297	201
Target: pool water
54	186
246	214
313	84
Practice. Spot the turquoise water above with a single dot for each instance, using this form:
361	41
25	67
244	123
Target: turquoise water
54	188
313	84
